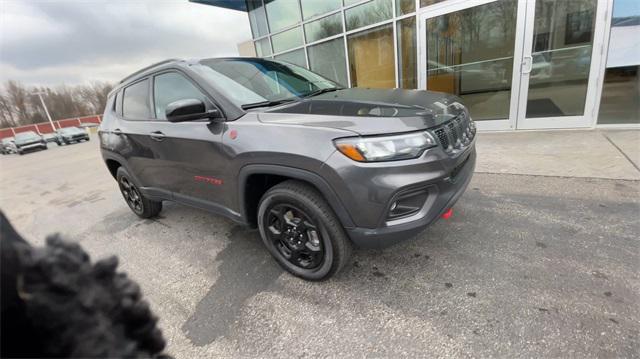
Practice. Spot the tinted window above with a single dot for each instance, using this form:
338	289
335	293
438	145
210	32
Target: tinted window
282	13
136	101
257	19
328	60
317	7
287	39
118	104
247	80
172	87
325	27
295	57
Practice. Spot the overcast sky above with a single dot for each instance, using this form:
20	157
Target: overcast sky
69	42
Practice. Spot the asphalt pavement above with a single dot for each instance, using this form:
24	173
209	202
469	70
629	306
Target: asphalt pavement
528	266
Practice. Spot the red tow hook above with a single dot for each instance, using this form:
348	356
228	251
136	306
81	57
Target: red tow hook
447	214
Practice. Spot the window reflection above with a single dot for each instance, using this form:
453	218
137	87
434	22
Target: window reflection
470	54
424	3
328	60
282	13
263	48
405	7
325	27
287	39
561	53
295	57
371	62
407	53
257	19
318	7
620	102
368	13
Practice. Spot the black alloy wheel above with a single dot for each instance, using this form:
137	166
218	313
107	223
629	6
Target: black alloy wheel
131	195
295	236
301	232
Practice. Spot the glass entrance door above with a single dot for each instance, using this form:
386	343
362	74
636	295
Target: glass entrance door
470	52
559	65
516	64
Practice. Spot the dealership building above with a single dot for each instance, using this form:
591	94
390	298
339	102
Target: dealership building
517	64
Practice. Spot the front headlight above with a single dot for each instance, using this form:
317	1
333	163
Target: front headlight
385	148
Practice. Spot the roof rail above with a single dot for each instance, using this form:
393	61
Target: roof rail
147	68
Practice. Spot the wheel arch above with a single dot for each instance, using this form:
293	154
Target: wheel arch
274	174
114	161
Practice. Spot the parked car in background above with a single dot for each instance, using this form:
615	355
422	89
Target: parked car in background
7	146
26	141
315	166
71	134
88	125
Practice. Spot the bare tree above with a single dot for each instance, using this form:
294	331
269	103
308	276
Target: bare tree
95	94
6	112
19	105
18	96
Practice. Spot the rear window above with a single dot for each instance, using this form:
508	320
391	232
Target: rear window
135	105
118	105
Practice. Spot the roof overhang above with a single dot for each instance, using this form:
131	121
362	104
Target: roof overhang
239	5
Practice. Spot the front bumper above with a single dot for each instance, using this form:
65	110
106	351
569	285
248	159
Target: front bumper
442	196
32	146
368	198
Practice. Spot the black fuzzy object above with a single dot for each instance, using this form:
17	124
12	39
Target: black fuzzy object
56	303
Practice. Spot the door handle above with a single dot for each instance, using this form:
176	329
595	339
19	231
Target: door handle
157	135
527	63
117	132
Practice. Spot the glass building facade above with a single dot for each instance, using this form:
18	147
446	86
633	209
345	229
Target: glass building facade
517	64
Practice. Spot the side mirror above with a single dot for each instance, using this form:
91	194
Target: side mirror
189	110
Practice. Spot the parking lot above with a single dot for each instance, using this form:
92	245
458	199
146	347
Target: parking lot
528	266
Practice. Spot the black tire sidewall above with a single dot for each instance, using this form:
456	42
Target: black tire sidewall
283	196
122	172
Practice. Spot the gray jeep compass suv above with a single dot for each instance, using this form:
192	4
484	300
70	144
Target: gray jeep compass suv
316	167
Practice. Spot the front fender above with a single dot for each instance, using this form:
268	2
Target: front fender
295	173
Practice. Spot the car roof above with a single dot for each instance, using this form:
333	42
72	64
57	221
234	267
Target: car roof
172	62
230	110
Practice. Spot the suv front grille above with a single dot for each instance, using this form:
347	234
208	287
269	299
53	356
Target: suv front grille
456	134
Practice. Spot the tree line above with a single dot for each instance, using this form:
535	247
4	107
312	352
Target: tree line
19	104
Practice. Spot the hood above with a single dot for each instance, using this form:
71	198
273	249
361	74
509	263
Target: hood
369	111
28	141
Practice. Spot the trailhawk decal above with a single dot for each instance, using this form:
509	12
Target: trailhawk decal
211	180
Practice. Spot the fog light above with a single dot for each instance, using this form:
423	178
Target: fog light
407	204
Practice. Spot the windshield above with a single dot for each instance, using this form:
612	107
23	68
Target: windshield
26	136
250	81
7	140
69	130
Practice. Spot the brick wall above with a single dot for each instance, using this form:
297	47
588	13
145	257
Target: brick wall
45	127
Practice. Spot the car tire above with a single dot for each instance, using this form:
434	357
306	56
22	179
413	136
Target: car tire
139	204
314	215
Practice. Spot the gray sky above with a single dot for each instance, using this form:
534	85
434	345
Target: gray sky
69	42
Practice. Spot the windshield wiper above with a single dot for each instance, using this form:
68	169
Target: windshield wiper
321	91
265	103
